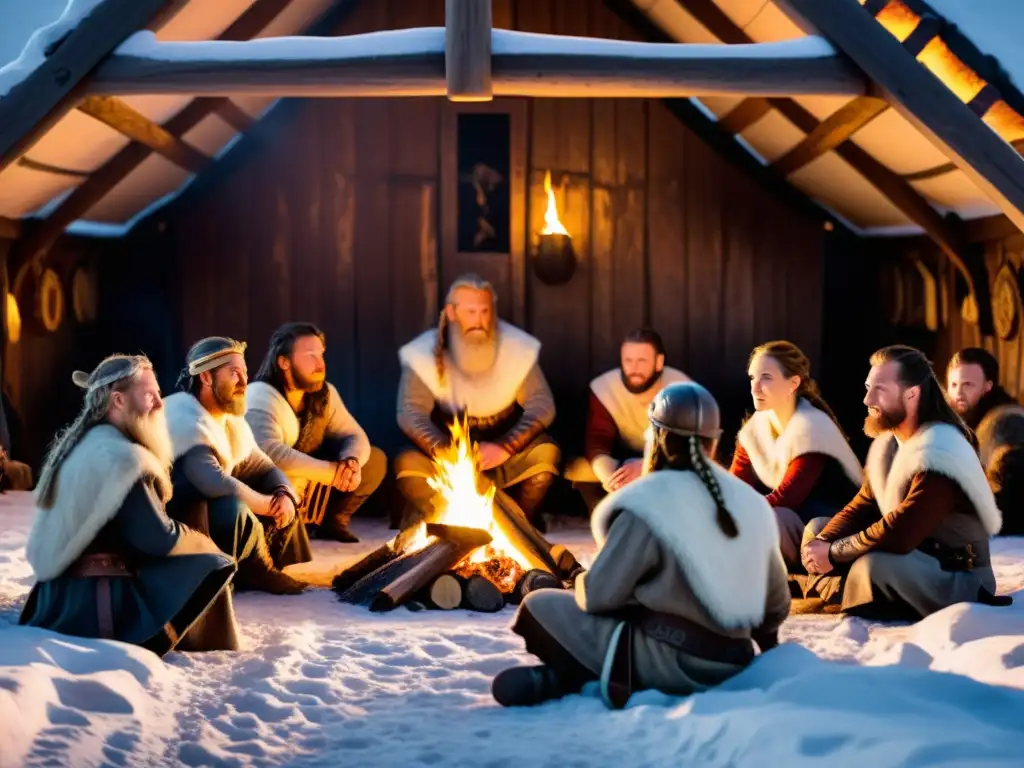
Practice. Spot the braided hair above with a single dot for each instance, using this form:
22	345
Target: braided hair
688	452
793	362
474	283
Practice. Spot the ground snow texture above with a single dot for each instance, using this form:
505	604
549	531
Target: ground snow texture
323	684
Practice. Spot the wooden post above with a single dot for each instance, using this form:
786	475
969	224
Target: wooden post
467	50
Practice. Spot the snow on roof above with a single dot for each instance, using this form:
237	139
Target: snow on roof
993	26
20	30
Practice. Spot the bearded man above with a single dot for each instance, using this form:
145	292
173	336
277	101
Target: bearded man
617	415
972	385
484	369
301	423
109	562
221	476
915	539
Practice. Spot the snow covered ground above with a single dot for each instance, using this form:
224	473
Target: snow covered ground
323	684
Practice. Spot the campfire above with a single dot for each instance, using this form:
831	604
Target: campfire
478	552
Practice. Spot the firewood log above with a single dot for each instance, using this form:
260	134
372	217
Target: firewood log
445	593
384	554
480	594
452	543
521	534
533	580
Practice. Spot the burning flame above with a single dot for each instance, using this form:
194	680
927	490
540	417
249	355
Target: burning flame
456	472
552	225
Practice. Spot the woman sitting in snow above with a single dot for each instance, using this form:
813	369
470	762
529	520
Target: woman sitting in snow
792	449
688	572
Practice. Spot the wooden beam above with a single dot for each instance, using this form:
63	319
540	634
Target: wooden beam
467	50
35	104
411	62
745	114
10	229
923	99
137	127
37	244
235	116
942	170
34	165
831	132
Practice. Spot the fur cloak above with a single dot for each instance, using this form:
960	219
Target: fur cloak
728	576
191	425
484	395
935	447
91	486
809	431
260	396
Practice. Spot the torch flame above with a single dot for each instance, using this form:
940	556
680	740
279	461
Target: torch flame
552	225
456	470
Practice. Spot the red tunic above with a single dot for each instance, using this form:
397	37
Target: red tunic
801	476
602	432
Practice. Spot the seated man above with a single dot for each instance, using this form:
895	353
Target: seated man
617	415
972	385
485	369
109	561
915	539
1001	450
250	506
301	423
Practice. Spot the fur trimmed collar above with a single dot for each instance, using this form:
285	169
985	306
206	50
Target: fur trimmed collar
92	484
482	395
728	576
629	411
192	425
260	396
809	431
938	448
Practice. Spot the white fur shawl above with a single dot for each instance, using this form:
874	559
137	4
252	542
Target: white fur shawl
809	431
192	425
260	396
482	395
92	484
728	576
938	448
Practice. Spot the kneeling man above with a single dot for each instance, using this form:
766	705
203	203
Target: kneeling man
485	369
915	539
249	503
301	423
617	415
109	561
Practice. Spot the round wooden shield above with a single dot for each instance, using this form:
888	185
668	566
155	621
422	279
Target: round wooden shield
1006	303
969	309
13	320
50	300
83	295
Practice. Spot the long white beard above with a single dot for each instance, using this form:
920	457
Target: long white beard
151	432
473	354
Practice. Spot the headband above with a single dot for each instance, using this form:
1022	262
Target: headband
82	379
214	359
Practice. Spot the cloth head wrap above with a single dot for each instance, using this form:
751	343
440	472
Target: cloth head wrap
211	352
111	369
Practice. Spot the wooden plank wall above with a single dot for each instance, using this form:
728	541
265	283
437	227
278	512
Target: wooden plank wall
339	220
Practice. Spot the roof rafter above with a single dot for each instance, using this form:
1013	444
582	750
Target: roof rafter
35	105
745	114
923	99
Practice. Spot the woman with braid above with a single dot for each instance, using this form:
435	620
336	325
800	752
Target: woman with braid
687	577
792	449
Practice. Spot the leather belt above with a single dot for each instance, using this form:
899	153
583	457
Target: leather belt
951	558
102	567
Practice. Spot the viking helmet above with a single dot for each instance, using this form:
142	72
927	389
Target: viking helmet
686	409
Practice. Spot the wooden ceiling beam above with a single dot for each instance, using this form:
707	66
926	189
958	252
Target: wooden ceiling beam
41	239
122	118
745	114
34	105
923	99
235	116
467	50
831	132
412	62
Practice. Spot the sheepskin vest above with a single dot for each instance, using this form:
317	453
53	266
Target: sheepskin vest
728	576
629	410
191	425
481	396
91	486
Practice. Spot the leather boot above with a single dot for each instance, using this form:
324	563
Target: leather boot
257	573
532	492
339	513
526	686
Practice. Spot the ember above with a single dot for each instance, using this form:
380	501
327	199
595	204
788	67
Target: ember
479	534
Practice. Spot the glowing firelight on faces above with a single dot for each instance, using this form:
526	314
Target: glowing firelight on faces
552	224
455	480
